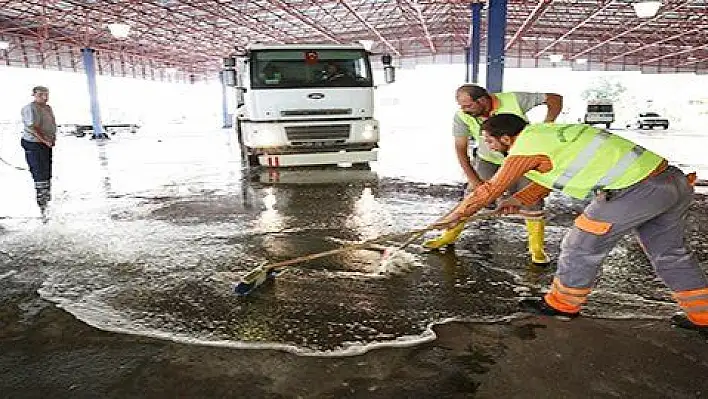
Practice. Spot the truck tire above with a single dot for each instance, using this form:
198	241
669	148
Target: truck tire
607	125
666	126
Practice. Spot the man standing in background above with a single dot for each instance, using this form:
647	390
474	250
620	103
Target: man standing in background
476	105
38	138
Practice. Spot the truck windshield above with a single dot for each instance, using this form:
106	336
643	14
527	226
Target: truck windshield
284	68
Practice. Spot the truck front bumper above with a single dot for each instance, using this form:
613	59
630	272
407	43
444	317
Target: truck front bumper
317	158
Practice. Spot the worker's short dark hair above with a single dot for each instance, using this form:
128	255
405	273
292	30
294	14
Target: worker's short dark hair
39	89
475	92
504	125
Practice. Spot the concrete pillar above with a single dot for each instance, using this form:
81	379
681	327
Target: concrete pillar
87	55
496	29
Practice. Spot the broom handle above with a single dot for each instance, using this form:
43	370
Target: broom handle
349	247
417	235
360	245
478	216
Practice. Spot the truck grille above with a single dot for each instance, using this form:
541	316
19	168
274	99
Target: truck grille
317	133
316	112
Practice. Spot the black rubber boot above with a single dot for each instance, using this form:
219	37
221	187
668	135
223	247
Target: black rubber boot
680	320
539	306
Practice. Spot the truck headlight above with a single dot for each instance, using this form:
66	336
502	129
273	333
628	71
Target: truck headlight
369	131
265	137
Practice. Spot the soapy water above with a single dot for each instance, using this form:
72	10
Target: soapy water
397	262
151	249
178	285
175	281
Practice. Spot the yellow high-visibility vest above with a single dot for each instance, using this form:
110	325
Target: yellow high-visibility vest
584	158
507	105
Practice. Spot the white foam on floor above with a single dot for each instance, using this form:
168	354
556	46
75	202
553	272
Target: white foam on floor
396	262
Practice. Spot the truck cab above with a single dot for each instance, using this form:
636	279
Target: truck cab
304	104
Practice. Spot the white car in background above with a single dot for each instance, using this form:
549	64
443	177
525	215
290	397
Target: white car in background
648	120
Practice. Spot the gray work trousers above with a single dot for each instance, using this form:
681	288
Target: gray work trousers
486	170
656	210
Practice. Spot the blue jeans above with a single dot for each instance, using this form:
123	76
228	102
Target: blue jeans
39	160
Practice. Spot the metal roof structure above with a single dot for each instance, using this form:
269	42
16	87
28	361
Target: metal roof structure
193	36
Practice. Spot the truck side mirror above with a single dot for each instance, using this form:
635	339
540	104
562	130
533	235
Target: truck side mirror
229	77
389	70
389	74
240	100
229	62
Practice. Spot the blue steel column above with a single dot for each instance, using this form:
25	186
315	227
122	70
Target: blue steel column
224	102
475	35
496	29
87	54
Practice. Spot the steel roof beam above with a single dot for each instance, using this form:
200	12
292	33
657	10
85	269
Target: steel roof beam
418	10
692	49
101	48
627	31
689	62
535	14
195	34
578	26
217	9
655	43
370	27
305	19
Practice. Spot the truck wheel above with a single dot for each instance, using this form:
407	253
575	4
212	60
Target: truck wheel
666	127
607	125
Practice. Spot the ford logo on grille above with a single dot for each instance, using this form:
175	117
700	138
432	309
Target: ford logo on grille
315	96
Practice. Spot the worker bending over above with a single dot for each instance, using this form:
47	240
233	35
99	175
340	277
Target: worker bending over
630	188
476	105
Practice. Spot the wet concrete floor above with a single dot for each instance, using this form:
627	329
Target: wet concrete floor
127	290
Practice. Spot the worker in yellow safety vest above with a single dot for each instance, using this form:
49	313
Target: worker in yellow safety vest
476	105
629	188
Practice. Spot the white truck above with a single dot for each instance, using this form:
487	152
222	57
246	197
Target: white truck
305	104
599	113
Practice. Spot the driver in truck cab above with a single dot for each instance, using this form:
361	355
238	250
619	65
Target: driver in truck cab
271	75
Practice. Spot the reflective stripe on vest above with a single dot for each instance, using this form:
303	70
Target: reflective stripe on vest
575	150
620	167
588	153
507	104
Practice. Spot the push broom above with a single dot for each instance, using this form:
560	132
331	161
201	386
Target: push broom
260	274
